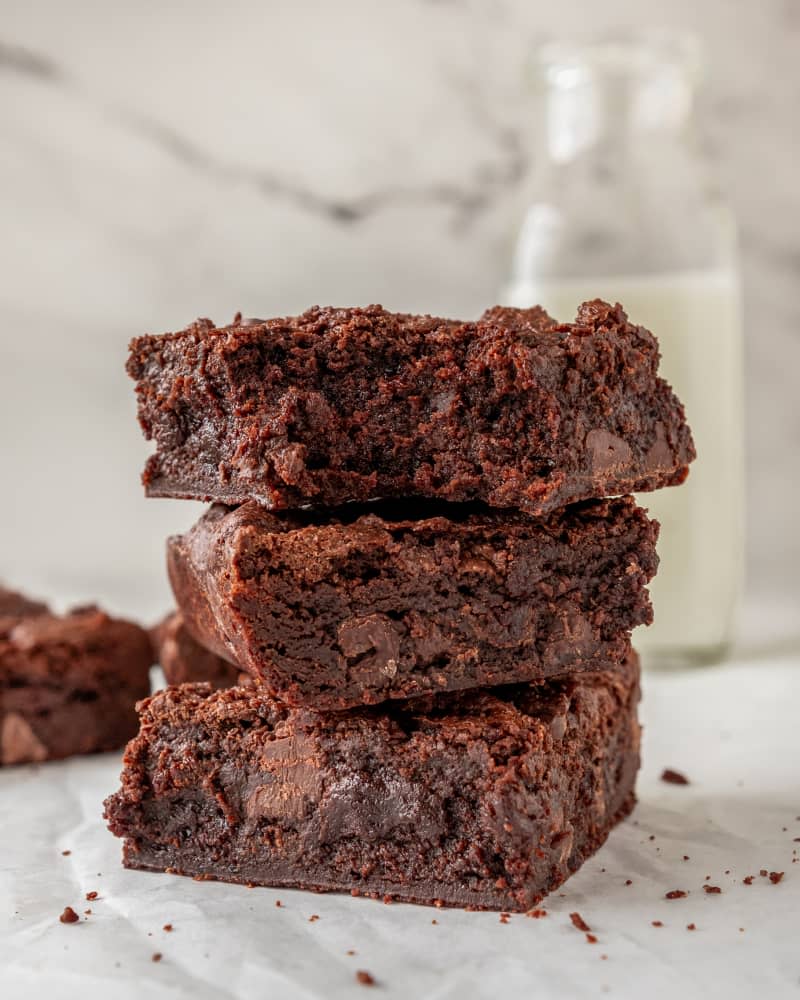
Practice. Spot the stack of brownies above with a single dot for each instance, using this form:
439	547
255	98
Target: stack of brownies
413	556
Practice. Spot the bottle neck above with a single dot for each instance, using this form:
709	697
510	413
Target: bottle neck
614	115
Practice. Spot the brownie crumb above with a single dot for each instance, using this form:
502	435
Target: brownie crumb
91	895
762	872
278	903
504	918
711	888
313	918
628	881
156	957
775	877
364	977
350	951
69	916
657	923
691	927
579	922
686	857
536	914
727	871
167	928
652	836
591	938
66	853
675	894
87	913
673	777
434	921
748	879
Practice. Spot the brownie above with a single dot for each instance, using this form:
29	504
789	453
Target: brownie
14	607
392	600
339	405
69	684
486	798
184	660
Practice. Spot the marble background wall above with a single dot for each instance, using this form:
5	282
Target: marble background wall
164	160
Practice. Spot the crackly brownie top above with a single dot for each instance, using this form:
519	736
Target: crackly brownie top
506	720
363	327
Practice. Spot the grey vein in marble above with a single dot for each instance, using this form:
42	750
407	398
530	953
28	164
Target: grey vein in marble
466	202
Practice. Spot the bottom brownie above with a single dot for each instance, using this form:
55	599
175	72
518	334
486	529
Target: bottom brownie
68	683
487	799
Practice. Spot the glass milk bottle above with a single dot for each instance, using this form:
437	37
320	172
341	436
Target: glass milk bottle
621	210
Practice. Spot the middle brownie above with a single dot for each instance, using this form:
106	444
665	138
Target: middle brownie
392	600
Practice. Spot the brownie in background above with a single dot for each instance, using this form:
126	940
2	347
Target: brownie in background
184	660
68	683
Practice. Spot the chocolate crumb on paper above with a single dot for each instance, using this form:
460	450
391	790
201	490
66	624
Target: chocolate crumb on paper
69	916
66	854
712	889
157	956
691	927
591	938
775	877
672	777
748	879
365	978
675	894
657	923
579	922
91	895
167	928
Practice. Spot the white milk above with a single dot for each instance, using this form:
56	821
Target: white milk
696	318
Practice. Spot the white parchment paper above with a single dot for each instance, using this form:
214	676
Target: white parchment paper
732	730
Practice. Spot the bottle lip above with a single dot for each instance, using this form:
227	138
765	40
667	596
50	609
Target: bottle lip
641	53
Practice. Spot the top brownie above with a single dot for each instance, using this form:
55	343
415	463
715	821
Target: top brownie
350	404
